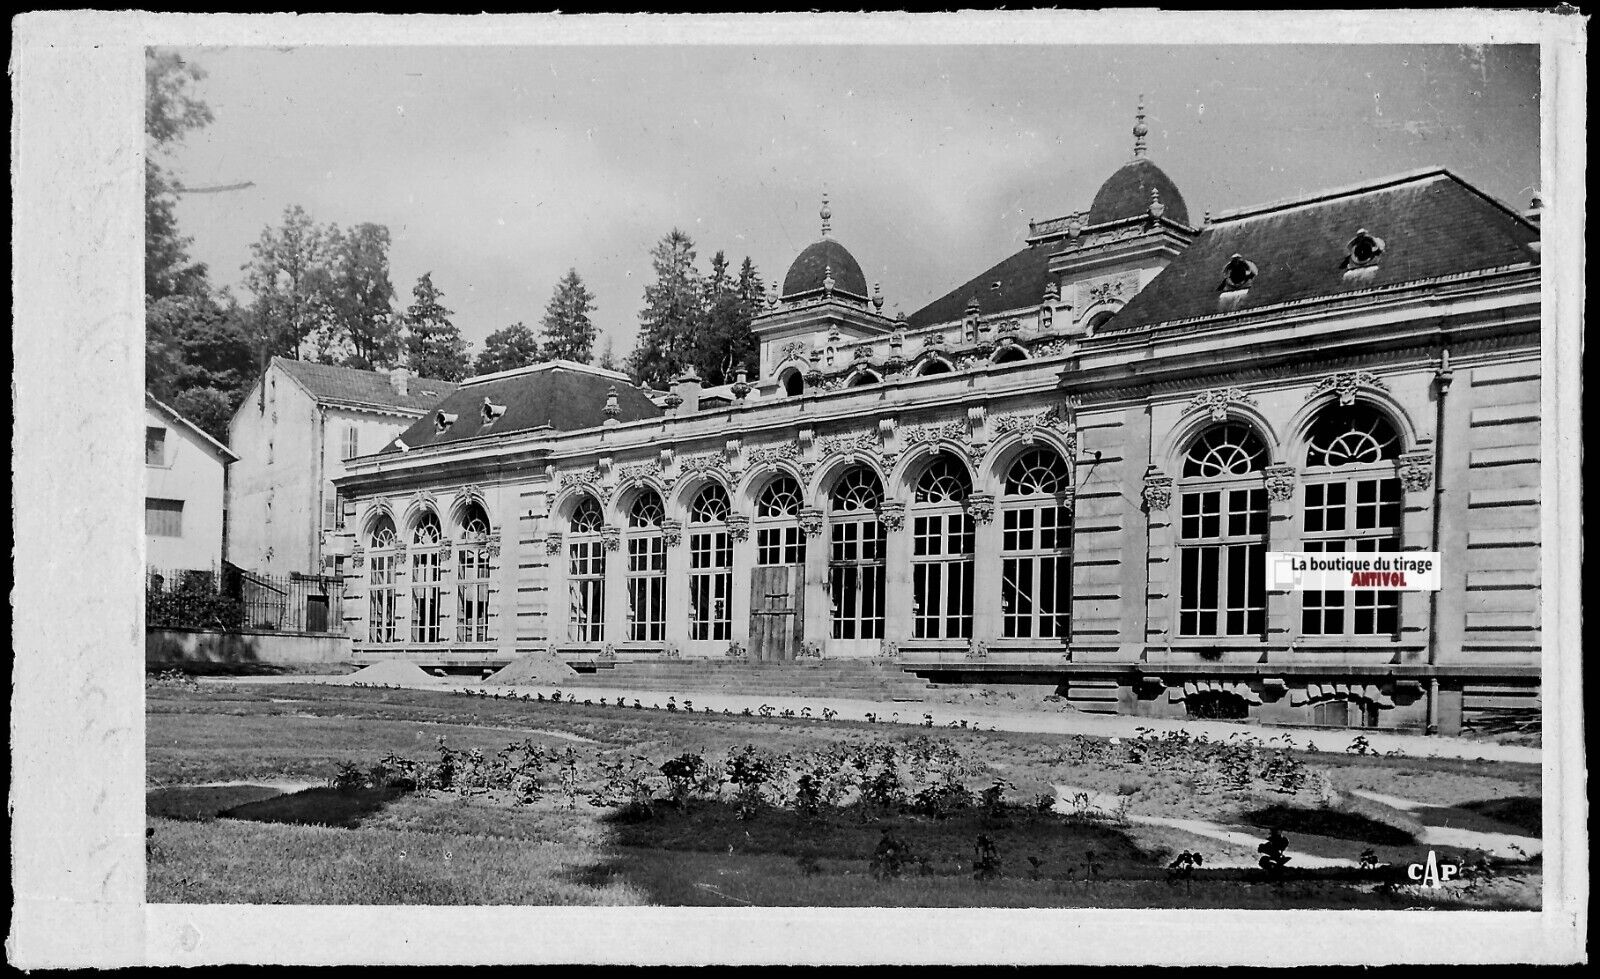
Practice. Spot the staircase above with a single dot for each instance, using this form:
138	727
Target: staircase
849	679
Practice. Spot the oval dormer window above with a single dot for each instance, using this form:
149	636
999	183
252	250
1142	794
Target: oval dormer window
1364	249
1238	273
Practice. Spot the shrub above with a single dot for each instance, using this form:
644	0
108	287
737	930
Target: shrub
890	857
985	859
683	774
748	771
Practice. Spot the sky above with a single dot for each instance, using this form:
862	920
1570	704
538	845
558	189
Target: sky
497	169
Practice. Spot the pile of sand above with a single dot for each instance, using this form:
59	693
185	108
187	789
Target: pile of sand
535	669
392	671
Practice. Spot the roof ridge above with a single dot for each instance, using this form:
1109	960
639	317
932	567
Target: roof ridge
358	370
1331	193
546	365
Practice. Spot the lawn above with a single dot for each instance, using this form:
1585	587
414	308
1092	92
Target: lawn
837	813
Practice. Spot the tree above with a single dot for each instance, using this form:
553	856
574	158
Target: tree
289	275
507	349
608	358
434	345
724	344
170	111
672	314
361	330
568	332
198	358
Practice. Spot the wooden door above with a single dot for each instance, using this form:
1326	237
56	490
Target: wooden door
777	613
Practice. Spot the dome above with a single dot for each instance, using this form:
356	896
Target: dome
1127	194
816	263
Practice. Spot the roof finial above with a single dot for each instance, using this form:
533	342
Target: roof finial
827	215
1140	130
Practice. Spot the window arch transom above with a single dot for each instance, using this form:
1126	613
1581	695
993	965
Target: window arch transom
780	498
587	518
710	505
646	510
1038	472
383	534
859	489
426	530
945	480
1232	449
1355	435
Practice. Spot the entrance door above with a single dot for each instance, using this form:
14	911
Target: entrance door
777	613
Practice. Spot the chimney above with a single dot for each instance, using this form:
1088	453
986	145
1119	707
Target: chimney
400	380
1535	209
687	387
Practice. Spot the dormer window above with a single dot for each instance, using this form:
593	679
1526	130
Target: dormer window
490	411
1364	249
1238	273
442	422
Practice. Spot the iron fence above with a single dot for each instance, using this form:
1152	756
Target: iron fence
234	598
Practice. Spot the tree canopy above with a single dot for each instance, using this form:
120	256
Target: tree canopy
434	345
690	321
507	349
569	333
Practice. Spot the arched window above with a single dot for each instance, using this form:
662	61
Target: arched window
855	556
1036	547
427	577
710	566
1099	319
793	384
1352	503
778	538
586	573
942	534
863	379
1222	533
647	569
1010	355
472	575
932	367
381	564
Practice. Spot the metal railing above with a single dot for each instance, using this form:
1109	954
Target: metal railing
233	599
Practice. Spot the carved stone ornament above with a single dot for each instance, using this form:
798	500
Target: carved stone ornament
1217	401
768	454
739	526
611	537
587	478
981	505
1029	423
1157	492
357	559
811	521
951	431
792	349
608	652
1052	347
1346	385
1416	471
671	651
851	444
552	542
811	650
977	649
735	650
888	649
493	548
672	532
1280	483
641	472
892	514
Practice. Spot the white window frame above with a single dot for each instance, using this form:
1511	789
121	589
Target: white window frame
1036	544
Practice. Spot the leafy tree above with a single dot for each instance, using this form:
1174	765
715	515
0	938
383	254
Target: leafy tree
434	345
673	311
289	275
198	358
170	111
724	345
568	332
507	349
361	330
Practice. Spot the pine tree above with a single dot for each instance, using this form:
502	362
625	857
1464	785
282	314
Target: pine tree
608	357
568	333
673	312
507	349
434	345
724	345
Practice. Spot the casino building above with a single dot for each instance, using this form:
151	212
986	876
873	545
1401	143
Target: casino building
1067	469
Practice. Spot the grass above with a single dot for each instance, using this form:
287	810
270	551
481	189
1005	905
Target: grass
440	848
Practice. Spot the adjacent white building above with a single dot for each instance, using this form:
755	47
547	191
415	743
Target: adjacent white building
294	432
185	491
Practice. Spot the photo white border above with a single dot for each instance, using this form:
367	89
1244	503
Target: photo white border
77	705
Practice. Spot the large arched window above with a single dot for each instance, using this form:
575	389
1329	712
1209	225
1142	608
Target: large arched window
1036	547
793	384
427	577
933	366
855	556
710	566
778	538
1222	533
1352	503
381	564
942	534
586	573
472	575
647	569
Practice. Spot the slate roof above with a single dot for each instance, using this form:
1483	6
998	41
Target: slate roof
343	384
811	266
1126	194
560	395
1021	277
1432	224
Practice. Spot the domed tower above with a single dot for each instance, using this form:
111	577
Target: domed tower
823	308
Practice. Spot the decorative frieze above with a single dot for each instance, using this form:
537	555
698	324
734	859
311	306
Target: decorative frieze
1280	483
981	506
583	479
768	454
1157	491
892	514
1346	384
1217	401
1416	471
641	472
1028	424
